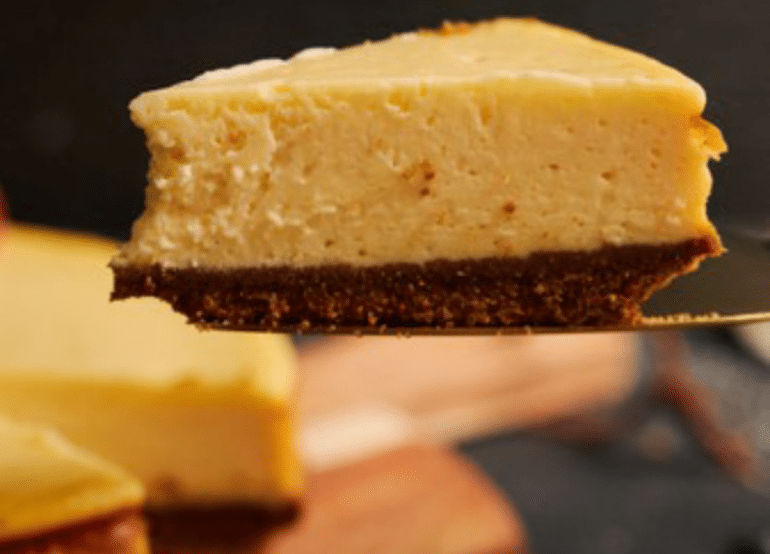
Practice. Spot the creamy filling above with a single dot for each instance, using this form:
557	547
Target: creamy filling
396	173
185	445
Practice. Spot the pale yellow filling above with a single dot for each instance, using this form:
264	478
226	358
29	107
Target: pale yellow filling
510	138
200	417
47	483
187	444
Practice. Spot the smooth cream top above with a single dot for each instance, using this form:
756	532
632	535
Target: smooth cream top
505	48
47	483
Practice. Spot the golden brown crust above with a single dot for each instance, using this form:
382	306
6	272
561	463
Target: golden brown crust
603	287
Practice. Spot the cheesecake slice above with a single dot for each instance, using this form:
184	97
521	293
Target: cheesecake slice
507	172
203	419
56	497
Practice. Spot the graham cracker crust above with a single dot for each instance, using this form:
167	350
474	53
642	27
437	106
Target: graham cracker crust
121	533
601	287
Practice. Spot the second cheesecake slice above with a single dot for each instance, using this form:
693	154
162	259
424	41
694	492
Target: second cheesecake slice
203	419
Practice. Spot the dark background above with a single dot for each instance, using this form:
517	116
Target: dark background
69	155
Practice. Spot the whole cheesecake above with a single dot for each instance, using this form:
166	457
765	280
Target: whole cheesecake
202	420
507	172
57	497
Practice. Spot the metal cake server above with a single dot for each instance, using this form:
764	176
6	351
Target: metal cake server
734	288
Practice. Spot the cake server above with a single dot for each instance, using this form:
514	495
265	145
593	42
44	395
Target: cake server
733	288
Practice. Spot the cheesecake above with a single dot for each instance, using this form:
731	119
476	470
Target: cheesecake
58	497
501	173
202	419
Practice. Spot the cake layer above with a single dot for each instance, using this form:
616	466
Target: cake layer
200	418
123	532
48	484
493	140
599	287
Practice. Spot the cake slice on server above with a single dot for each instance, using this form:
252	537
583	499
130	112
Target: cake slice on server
57	497
201	419
507	172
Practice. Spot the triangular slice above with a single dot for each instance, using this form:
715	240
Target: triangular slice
200	418
507	172
62	498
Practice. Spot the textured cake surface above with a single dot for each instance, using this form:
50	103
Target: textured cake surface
47	484
200	418
497	140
